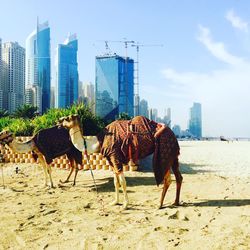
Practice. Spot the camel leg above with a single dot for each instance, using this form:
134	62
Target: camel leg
50	177
124	189
76	171
71	161
117	185
179	179
166	184
41	159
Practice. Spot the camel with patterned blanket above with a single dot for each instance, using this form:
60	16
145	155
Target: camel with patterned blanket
130	140
46	145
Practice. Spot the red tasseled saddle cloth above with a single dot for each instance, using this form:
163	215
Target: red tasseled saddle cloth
134	139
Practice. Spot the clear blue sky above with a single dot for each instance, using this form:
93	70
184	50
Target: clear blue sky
205	58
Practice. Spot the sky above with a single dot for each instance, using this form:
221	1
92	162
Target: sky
205	55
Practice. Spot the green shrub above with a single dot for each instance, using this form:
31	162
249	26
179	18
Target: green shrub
5	122
91	124
20	127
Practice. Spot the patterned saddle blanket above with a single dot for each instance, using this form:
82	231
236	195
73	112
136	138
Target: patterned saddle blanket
134	139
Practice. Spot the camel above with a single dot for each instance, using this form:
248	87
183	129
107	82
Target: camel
131	140
46	145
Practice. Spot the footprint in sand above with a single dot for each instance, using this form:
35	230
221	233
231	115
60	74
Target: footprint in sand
175	216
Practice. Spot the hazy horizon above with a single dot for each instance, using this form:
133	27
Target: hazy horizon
205	57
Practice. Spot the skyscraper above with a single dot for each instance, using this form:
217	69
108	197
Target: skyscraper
89	91
195	122
177	130
13	78
114	86
143	108
52	97
167	117
66	73
38	65
89	95
33	96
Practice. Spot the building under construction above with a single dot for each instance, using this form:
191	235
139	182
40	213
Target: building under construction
114	86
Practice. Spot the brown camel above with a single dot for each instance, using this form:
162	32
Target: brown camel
46	145
130	140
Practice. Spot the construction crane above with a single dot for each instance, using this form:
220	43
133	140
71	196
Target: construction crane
136	84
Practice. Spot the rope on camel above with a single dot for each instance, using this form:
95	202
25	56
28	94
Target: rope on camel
99	199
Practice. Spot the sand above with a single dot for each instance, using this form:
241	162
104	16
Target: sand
215	211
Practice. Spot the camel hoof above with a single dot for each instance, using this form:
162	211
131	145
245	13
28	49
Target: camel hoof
177	204
160	206
113	203
125	206
64	181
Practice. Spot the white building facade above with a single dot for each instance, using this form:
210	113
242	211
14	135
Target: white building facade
13	76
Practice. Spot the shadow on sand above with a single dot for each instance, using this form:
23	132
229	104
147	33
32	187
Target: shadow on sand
220	203
190	168
193	168
106	184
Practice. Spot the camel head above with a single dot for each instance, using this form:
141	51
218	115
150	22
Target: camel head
6	137
70	121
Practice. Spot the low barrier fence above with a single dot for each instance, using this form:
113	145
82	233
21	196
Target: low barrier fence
96	160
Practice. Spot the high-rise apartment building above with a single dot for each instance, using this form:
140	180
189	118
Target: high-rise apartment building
89	92
195	121
13	75
143	108
177	130
114	86
38	60
167	117
33	95
66	73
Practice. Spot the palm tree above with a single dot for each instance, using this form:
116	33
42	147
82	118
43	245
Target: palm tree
26	111
124	116
3	113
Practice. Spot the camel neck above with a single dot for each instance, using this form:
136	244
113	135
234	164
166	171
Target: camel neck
77	138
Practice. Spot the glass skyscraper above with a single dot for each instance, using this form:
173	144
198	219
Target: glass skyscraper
38	74
114	86
195	122
66	73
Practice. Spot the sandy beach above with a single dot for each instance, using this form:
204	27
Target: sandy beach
215	211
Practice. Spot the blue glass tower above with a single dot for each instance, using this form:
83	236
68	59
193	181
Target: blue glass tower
66	73
195	122
38	74
114	86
